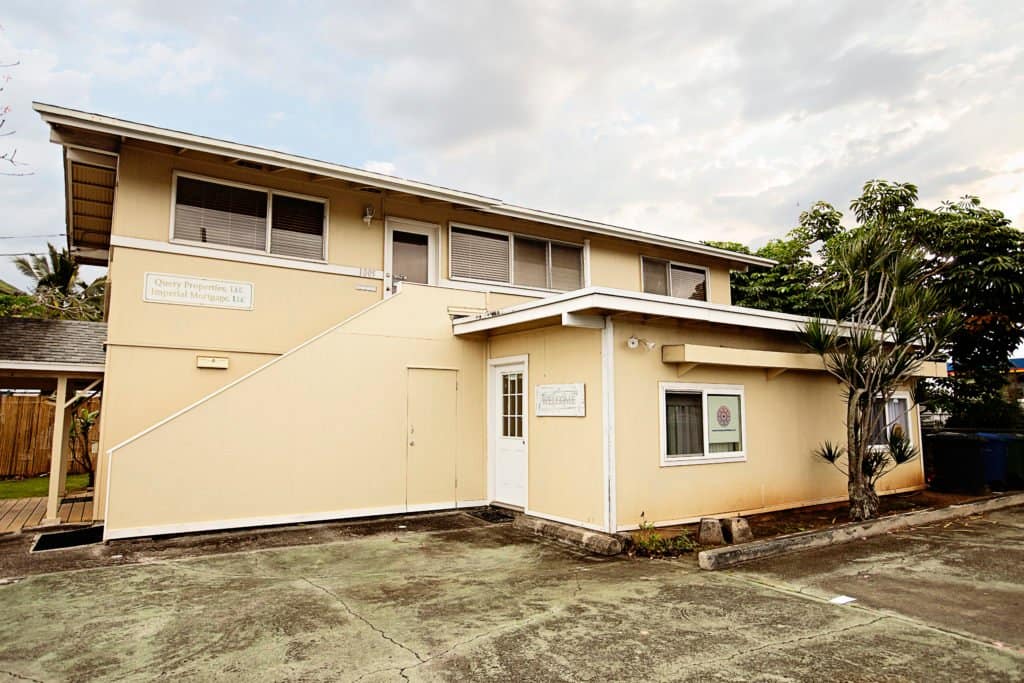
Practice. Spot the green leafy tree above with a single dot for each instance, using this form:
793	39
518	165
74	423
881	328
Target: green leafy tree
82	424
884	320
58	290
785	287
56	270
981	259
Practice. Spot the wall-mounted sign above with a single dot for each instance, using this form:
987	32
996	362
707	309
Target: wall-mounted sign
560	400
185	290
723	418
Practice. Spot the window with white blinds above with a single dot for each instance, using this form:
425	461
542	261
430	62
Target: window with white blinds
674	279
297	227
235	216
535	263
478	255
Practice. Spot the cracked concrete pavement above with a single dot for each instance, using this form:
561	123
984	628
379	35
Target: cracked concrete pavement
461	599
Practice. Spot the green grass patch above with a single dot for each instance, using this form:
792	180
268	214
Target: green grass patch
38	486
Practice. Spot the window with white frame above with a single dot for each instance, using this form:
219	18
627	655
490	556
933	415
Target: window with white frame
485	255
245	217
701	423
674	279
891	416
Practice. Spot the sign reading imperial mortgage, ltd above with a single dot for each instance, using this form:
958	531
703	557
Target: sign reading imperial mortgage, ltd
162	288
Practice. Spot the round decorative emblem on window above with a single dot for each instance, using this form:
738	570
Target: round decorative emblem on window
724	416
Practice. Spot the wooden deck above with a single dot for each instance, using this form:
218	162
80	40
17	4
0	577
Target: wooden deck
17	513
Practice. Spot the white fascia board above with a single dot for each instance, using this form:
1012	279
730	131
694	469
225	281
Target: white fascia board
629	234
630	302
55	115
59	368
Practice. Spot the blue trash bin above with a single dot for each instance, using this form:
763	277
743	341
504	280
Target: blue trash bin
994	451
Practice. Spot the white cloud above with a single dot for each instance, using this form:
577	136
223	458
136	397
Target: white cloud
385	167
700	120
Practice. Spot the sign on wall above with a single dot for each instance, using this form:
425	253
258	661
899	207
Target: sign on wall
185	290
723	418
560	400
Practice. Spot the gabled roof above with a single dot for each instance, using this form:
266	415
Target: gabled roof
34	344
119	129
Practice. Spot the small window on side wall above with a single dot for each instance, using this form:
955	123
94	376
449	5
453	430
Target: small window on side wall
674	279
701	423
891	417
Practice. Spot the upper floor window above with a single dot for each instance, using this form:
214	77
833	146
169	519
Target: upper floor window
244	217
674	279
500	257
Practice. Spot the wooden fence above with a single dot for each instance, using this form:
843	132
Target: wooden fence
26	435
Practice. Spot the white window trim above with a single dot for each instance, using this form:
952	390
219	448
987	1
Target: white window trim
668	274
431	230
584	261
705	458
910	421
270	192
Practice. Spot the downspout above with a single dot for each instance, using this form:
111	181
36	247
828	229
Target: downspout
608	419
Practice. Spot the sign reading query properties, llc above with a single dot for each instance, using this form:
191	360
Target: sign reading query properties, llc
560	400
162	288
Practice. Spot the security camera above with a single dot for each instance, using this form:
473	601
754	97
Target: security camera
633	343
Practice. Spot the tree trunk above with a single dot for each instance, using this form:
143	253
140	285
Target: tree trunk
863	500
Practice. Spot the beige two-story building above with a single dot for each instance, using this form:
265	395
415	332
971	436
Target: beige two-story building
291	340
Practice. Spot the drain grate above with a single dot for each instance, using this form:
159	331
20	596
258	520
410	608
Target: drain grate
55	540
492	515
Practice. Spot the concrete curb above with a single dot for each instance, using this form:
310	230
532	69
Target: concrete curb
720	558
592	541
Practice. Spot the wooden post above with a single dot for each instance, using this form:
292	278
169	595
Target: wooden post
59	453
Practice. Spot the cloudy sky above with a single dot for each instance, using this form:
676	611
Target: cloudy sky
709	120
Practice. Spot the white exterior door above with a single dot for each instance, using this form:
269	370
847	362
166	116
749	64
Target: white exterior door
509	420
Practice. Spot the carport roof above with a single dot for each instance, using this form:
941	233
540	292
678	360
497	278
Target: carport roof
57	345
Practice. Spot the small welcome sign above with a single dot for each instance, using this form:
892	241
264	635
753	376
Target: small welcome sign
560	400
184	290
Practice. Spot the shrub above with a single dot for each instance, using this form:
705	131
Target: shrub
648	542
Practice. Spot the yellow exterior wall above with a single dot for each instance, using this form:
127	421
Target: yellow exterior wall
318	433
143	211
786	417
152	349
566	466
617	265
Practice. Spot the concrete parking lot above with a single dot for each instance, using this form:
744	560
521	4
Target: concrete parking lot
461	599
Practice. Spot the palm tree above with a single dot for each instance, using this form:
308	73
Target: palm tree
56	271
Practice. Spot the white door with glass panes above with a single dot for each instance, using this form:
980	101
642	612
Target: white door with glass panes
510	447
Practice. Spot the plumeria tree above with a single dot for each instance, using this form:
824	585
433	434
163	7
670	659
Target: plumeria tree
883	322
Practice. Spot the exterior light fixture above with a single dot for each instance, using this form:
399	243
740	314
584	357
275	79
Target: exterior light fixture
635	342
368	214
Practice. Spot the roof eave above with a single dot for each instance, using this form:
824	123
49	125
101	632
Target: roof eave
62	116
621	301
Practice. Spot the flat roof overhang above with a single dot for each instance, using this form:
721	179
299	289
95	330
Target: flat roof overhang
43	376
601	301
86	132
589	307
